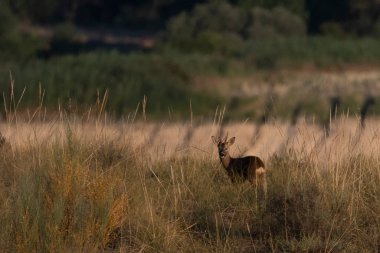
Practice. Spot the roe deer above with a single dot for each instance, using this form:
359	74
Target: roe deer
249	168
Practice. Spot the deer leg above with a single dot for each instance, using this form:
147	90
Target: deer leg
264	185
261	182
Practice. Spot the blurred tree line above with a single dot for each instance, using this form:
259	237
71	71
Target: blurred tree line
131	13
207	25
204	25
349	16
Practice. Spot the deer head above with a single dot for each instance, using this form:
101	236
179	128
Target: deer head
223	144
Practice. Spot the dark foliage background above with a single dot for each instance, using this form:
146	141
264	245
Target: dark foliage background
353	16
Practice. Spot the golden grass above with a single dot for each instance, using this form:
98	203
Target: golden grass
74	186
167	140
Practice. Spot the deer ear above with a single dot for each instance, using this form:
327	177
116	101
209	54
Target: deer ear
231	141
214	139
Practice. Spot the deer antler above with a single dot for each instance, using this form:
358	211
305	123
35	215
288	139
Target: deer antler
225	139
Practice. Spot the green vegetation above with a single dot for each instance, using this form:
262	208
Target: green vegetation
81	80
195	43
223	28
98	195
170	79
15	45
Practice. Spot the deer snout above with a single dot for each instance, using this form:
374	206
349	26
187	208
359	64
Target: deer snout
222	152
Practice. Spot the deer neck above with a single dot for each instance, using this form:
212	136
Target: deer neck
226	160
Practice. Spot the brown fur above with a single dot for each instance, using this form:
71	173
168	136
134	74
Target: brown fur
250	168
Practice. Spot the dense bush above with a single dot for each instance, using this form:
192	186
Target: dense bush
222	28
79	79
206	27
13	43
278	22
318	51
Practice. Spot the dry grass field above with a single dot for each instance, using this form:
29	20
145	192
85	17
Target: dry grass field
93	184
108	109
101	186
162	141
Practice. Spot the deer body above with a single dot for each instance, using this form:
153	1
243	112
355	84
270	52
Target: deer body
249	168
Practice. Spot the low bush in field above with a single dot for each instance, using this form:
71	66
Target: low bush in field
81	80
319	51
77	195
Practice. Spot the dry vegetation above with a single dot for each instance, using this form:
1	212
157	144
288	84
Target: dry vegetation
74	186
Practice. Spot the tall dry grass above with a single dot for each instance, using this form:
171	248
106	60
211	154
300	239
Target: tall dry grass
74	186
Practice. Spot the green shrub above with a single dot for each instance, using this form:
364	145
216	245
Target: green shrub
208	28
274	23
319	51
220	28
216	17
13	43
79	79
